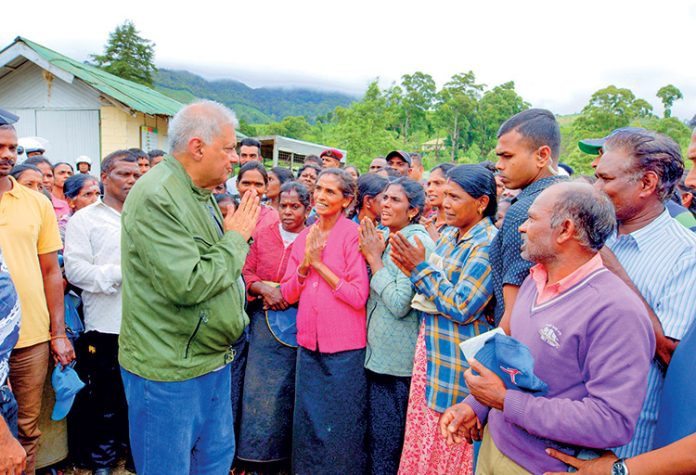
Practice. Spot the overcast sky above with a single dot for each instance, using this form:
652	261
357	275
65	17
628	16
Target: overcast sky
558	53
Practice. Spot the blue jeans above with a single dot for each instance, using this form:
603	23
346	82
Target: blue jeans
237	371
8	409
181	426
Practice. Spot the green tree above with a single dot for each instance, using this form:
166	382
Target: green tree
669	94
472	155
128	55
457	103
295	127
322	129
675	128
246	128
495	107
418	94
608	109
570	153
394	98
363	128
670	126
642	109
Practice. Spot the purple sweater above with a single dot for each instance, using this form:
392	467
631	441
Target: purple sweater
592	345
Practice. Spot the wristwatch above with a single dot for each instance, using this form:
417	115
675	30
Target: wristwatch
619	468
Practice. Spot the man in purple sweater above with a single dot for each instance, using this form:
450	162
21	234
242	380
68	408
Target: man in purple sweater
590	337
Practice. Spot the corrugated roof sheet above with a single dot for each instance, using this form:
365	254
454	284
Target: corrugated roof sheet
136	96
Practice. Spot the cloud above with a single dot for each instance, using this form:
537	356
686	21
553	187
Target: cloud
558	54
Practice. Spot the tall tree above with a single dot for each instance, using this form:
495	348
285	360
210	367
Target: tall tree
669	94
128	55
642	109
394	99
494	108
457	103
294	127
419	91
363	128
608	109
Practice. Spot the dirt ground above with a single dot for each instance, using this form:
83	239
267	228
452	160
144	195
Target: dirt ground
73	470
82	471
121	470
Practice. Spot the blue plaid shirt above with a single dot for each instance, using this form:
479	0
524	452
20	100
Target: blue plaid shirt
461	291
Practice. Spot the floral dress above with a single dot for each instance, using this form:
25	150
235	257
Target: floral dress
425	450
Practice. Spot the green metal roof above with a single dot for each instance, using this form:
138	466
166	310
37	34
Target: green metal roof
135	96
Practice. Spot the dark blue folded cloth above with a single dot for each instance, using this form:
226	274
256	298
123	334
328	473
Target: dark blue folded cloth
283	325
512	361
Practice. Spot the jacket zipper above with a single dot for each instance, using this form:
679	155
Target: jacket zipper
368	350
201	319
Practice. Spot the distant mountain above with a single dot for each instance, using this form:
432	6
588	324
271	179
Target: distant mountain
260	105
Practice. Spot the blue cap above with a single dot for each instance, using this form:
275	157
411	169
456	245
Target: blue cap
7	117
405	156
512	361
66	384
283	325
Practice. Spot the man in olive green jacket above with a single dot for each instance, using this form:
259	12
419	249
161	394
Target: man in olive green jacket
183	304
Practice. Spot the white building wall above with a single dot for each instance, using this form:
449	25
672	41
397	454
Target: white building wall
31	87
67	115
70	134
26	126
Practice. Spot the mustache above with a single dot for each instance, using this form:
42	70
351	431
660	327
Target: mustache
9	162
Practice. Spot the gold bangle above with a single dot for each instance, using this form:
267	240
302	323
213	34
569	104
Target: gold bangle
304	276
57	337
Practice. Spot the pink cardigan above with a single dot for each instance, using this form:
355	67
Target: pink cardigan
267	217
330	320
267	258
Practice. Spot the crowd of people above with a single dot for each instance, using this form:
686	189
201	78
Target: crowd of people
493	318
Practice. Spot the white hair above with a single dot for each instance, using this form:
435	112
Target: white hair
203	119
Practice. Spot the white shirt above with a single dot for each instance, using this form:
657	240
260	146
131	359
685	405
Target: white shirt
287	237
231	186
93	263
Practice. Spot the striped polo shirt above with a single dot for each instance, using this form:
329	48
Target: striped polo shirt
660	259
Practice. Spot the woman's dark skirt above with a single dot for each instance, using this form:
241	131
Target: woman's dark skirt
330	422
265	433
387	406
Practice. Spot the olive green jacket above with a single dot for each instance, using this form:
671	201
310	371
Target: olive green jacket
183	303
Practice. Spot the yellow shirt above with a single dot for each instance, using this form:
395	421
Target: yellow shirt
28	227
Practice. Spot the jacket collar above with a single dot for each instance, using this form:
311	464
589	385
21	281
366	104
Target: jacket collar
178	171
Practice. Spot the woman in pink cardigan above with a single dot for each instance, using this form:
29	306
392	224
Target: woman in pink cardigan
265	423
327	274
